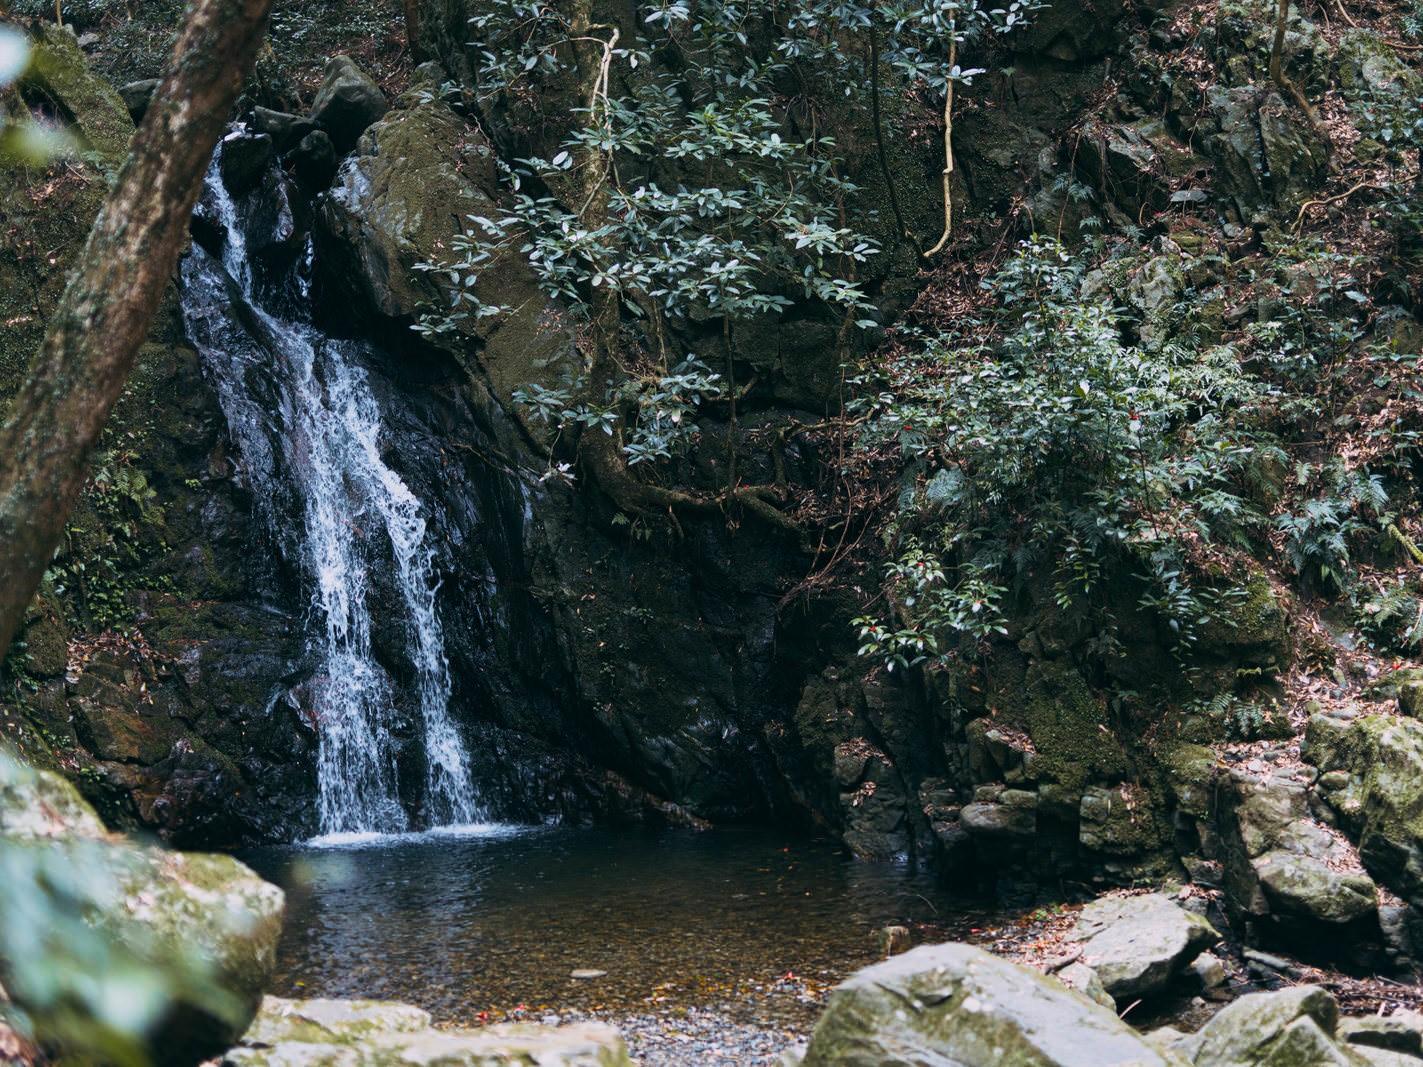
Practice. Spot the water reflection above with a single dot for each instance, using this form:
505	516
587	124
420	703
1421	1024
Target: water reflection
463	924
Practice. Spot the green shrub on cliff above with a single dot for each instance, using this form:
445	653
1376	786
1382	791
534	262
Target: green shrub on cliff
1039	442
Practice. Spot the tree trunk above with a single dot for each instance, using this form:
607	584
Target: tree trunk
105	313
412	30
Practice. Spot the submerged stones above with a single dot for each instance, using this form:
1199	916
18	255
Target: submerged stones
366	1033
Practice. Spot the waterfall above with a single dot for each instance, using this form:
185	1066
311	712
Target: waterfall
307	427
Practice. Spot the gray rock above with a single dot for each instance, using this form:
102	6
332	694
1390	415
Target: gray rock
1084	979
364	1033
347	103
1290	1028
138	95
1400	1032
1268	964
1284	868
1308	885
957	1005
331	1021
286	131
1208	970
999	820
1382	806
1138	944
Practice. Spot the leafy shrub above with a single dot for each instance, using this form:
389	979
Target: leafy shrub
1318	535
1392	618
1039	443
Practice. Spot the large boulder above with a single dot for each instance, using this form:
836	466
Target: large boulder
1372	776
1290	1028
1138	944
206	917
399	207
399	203
1283	870
958	1005
365	1033
95	113
347	103
1265	151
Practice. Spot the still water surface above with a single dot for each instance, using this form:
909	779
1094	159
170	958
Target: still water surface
495	917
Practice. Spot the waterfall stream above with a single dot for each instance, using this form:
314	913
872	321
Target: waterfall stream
301	411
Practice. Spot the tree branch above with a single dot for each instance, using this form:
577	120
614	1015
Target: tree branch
948	149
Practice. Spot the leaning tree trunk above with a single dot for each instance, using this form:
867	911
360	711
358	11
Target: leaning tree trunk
106	310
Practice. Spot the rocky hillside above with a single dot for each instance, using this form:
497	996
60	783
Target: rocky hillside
1140	600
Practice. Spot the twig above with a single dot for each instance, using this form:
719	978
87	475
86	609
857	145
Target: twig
1299	219
948	146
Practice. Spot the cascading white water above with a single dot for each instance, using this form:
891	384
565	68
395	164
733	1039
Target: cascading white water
308	428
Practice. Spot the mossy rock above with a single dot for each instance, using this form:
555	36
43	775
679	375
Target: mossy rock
1251	628
370	1033
1069	728
957	1004
1190	772
92	108
206	917
1383	755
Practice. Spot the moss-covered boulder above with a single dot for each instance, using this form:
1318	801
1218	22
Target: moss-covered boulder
367	1033
397	208
956	1004
1286	873
1265	150
1290	1028
204	916
93	111
1372	774
347	103
1069	727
